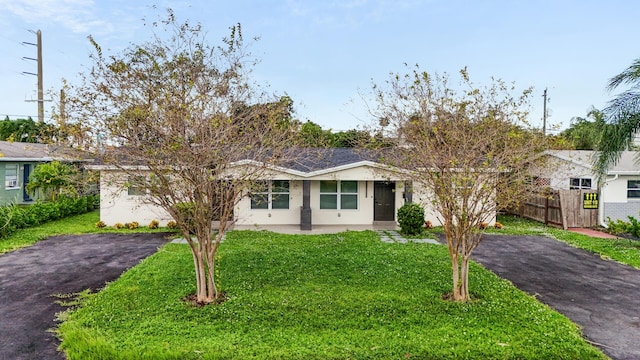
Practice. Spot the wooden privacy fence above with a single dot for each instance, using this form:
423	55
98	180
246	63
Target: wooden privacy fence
562	208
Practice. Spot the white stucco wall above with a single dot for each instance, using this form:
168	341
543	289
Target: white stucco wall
118	207
614	189
559	171
425	197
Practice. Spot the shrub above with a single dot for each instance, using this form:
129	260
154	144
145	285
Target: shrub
154	224
172	225
118	225
13	217
132	225
634	227
411	218
100	224
616	227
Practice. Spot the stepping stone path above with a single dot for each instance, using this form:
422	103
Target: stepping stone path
392	236
184	241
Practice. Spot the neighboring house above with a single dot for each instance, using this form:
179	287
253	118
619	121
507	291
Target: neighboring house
18	160
619	195
329	187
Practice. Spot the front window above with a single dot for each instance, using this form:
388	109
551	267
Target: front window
135	186
633	189
339	195
270	195
11	176
579	183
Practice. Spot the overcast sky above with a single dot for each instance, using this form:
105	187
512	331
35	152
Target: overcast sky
324	53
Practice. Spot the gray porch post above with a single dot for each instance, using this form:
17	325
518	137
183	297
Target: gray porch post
305	210
408	191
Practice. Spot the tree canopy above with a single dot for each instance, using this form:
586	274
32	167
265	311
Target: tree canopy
26	130
585	132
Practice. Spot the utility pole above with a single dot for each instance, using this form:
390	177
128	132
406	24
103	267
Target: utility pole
544	113
40	100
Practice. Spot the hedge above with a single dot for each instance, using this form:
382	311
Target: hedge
14	217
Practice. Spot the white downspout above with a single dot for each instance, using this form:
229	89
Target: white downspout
601	210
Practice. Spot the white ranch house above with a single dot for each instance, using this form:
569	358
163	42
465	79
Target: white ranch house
343	188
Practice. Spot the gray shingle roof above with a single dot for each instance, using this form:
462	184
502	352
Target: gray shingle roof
18	151
314	159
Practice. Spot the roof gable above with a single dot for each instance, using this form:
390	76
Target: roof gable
628	163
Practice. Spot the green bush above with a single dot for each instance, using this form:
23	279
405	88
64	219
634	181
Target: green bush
13	217
634	227
411	219
616	227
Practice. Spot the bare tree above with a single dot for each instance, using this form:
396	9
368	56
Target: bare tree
181	121
466	145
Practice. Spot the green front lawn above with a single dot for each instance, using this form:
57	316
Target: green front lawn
337	296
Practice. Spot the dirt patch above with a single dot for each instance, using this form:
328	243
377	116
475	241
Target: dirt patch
30	279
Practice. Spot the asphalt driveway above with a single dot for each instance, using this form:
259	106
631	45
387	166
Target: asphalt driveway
30	277
603	297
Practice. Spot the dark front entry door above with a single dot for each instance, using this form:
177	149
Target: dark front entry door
384	201
25	181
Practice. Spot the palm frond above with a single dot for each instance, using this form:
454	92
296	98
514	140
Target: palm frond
630	75
623	117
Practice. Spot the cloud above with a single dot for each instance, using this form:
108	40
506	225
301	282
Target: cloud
79	16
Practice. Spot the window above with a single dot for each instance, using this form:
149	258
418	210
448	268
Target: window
135	186
633	189
11	176
579	183
339	195
540	181
270	195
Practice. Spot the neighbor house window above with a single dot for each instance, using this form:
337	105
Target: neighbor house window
339	195
633	189
11	176
271	195
135	186
579	183
540	181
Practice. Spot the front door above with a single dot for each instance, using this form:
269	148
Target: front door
384	201
25	181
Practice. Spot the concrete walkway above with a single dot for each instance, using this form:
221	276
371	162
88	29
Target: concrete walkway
392	236
592	233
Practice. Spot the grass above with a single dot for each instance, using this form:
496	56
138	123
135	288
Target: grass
79	224
621	250
334	296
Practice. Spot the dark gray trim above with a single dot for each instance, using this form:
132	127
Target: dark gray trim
305	210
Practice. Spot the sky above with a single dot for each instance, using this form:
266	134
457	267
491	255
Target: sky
325	54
